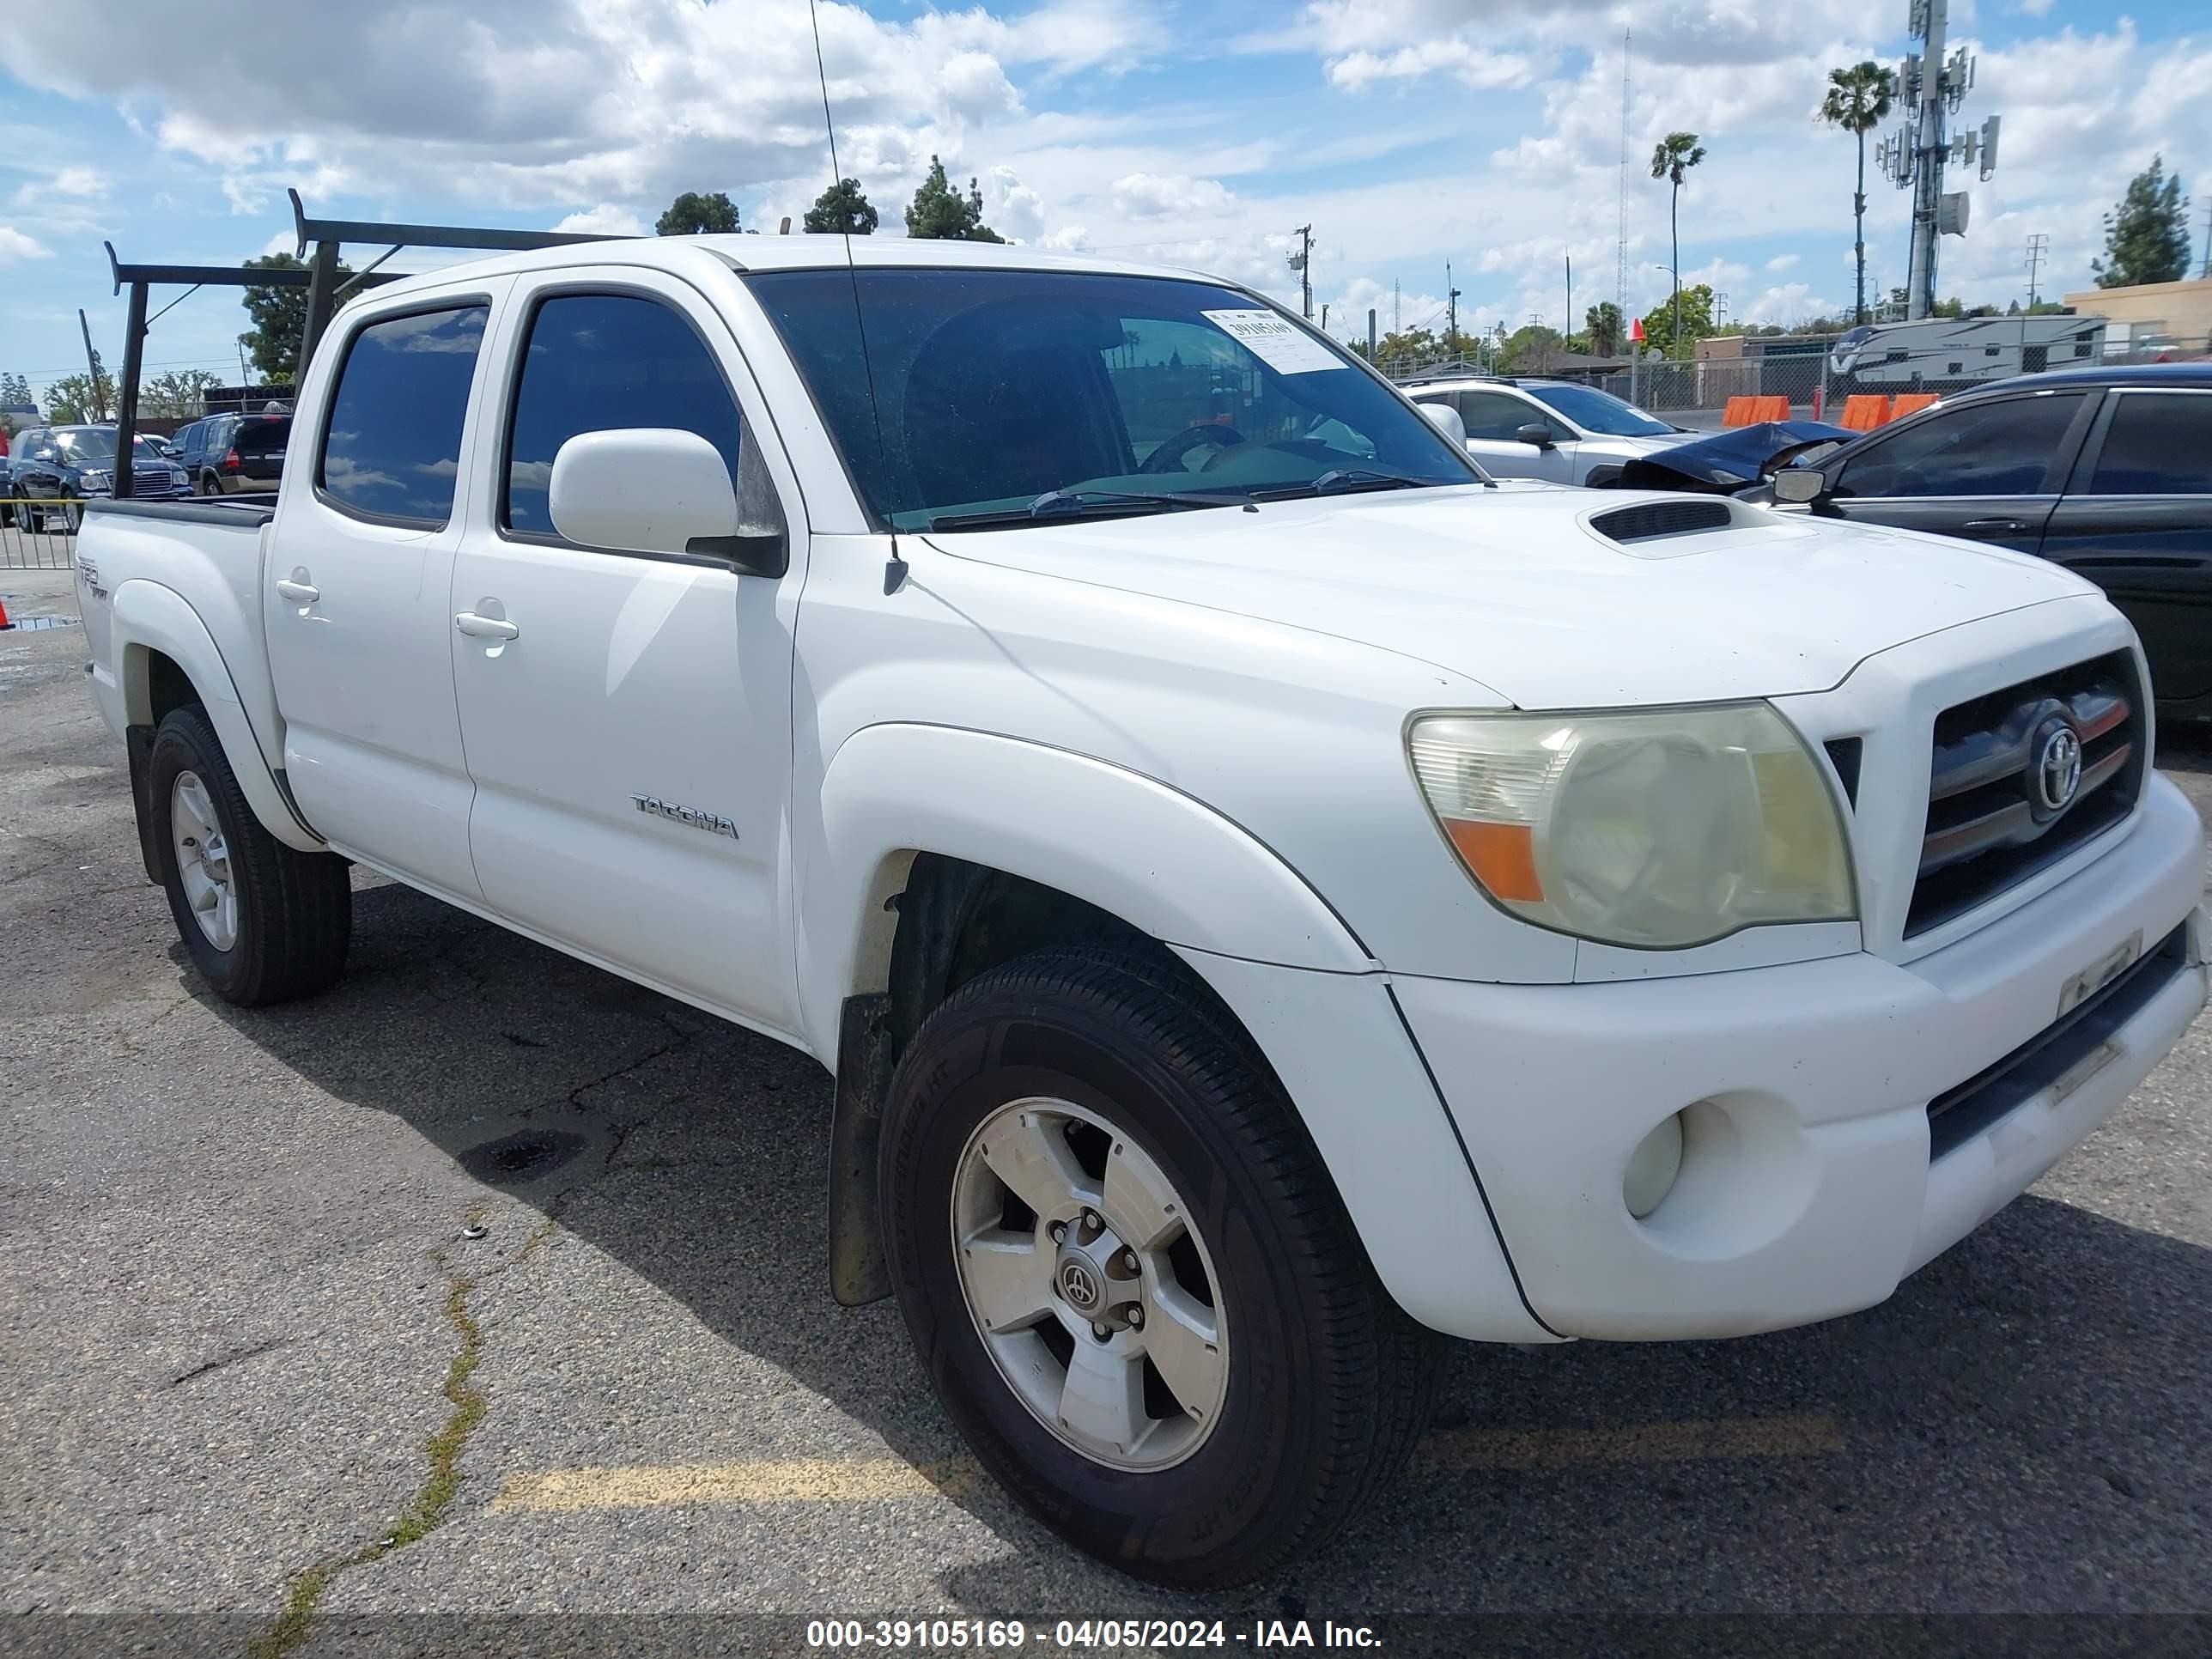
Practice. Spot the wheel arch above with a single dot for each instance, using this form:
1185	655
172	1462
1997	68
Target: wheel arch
166	658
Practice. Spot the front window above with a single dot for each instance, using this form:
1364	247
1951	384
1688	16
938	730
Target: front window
94	446
1599	411
2002	448
984	391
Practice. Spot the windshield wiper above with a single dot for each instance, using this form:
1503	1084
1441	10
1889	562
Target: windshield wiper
1077	504
1342	481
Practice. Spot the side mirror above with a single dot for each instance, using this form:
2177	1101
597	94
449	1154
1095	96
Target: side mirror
1800	485
1536	433
1446	420
656	490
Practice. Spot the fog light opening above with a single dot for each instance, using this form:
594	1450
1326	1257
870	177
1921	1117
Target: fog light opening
1652	1168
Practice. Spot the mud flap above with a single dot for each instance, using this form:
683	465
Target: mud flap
138	742
859	1273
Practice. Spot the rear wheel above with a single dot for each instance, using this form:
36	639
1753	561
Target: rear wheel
262	921
208	485
1132	1282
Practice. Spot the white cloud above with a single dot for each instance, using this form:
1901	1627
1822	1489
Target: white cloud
1011	208
1463	60
1143	195
15	246
1782	262
605	220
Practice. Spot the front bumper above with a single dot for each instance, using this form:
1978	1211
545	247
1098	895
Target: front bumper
1807	1188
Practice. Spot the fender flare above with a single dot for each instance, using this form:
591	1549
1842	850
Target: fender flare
158	618
1161	860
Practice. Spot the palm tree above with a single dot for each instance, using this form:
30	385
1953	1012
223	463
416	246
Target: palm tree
1858	101
1673	157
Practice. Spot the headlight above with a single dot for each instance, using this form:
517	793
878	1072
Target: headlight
1658	828
94	478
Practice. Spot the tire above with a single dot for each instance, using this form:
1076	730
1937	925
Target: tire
1323	1382
72	518
289	913
208	485
34	518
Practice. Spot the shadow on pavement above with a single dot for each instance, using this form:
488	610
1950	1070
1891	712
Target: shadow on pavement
2027	1426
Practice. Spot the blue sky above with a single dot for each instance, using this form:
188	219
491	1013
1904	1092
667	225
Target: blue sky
1408	132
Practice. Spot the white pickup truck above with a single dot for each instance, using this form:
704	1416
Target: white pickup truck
1267	894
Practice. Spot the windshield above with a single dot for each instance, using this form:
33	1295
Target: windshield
995	388
97	443
1599	411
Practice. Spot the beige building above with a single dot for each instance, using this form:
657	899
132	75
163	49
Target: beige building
2150	312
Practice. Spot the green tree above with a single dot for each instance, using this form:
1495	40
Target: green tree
693	214
1671	158
1858	101
842	208
941	213
74	397
1530	349
1602	328
279	316
14	391
1692	313
2147	235
180	394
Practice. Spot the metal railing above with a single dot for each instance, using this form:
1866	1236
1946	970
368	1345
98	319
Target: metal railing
38	535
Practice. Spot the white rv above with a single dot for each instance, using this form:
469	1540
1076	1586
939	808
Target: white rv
1963	350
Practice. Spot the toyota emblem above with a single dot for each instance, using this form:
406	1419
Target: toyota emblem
1079	1286
2058	769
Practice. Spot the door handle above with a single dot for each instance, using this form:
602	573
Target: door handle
484	628
1996	527
298	593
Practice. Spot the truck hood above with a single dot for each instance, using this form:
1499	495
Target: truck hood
1517	591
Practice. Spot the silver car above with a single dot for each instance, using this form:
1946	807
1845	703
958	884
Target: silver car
1557	430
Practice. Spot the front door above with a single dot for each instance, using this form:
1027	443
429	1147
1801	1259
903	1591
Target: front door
355	598
1984	471
2137	521
628	717
1493	422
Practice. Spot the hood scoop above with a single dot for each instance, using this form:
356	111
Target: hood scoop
1649	521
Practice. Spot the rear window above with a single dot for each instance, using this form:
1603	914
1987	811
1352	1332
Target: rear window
260	437
392	448
2159	443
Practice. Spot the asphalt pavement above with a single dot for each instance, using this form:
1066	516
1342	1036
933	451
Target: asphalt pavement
489	1284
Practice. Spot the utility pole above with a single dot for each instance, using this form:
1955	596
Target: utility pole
1324	318
2207	271
2039	247
1451	307
1567	328
1302	262
1370	334
92	370
1720	308
1932	87
1397	309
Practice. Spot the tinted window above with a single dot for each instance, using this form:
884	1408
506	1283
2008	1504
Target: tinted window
1981	449
1600	411
982	389
1495	415
393	447
262	437
2158	443
602	361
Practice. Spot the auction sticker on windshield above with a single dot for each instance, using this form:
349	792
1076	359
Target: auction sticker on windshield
1286	350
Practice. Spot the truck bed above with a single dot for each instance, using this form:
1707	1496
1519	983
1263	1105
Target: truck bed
230	512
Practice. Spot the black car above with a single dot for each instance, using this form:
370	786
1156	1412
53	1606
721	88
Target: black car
2106	471
72	463
233	454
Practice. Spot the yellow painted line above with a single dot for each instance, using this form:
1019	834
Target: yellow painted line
870	1480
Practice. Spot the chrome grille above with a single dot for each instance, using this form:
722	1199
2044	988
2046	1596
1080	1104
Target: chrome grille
2021	777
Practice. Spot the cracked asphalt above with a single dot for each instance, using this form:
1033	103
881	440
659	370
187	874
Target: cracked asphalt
292	1297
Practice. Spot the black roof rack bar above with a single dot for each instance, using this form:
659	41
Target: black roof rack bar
465	236
214	276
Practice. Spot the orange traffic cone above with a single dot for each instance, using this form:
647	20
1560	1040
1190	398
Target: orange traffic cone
4	623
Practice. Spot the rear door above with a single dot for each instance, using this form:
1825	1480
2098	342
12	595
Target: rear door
261	441
356	602
1988	471
631	740
2136	519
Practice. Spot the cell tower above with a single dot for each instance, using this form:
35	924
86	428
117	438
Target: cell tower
1620	260
1930	87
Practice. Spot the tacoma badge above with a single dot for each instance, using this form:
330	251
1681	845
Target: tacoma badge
713	824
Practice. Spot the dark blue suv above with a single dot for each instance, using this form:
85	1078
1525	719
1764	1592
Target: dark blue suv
60	466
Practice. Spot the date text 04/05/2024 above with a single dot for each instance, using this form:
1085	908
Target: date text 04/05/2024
953	1635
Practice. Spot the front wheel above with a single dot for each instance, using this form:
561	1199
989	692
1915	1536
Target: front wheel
1130	1277
262	921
